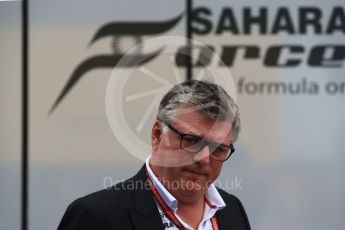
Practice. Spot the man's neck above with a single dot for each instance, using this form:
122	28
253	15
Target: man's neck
191	214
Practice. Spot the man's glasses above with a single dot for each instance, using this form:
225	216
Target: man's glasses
194	144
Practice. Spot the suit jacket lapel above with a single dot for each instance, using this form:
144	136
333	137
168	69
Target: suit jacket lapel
145	214
224	219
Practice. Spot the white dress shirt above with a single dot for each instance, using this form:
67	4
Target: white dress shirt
215	203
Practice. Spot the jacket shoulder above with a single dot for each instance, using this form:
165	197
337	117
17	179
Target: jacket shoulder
116	198
98	209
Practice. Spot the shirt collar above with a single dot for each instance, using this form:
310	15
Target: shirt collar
165	194
213	198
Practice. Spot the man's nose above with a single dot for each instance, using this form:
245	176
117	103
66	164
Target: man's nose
203	156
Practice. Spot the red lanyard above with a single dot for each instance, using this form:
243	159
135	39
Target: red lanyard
170	214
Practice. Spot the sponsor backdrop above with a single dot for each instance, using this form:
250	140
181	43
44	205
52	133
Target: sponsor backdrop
90	122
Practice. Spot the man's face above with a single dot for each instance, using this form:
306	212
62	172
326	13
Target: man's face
193	171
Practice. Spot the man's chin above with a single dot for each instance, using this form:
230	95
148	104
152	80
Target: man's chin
194	186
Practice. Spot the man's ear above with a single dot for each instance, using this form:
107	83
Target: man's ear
156	135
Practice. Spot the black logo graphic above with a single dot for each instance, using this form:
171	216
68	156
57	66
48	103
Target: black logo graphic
133	29
278	55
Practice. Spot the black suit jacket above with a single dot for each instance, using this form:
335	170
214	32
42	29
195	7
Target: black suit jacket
124	208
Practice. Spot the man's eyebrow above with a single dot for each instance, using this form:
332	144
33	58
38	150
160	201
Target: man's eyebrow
208	140
190	133
194	135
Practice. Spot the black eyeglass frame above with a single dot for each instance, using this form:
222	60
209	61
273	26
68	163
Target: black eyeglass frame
182	135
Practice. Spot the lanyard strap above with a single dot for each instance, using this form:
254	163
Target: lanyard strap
168	212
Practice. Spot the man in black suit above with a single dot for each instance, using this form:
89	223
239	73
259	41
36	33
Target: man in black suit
197	124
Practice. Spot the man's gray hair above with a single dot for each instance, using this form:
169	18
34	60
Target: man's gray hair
210	99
